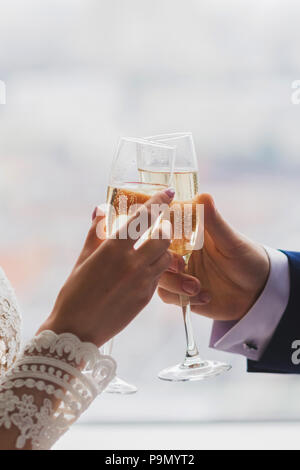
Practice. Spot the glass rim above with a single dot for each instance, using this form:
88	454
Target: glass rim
168	137
140	140
173	139
169	151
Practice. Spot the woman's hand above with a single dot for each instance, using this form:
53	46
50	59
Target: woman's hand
111	282
226	277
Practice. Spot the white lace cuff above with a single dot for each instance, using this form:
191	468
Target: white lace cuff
64	376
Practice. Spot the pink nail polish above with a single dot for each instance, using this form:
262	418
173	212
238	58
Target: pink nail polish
170	192
94	214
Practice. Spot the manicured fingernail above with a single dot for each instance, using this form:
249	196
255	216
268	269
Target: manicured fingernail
98	212
174	265
177	266
173	268
94	213
190	287
170	192
203	297
181	265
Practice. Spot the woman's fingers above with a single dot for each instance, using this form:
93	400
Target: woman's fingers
202	298
155	246
95	237
180	283
145	217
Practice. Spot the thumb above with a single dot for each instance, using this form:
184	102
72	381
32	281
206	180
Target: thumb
226	238
95	237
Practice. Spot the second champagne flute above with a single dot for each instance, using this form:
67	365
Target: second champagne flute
185	182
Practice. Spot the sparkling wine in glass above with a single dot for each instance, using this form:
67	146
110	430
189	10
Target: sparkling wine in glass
126	190
186	183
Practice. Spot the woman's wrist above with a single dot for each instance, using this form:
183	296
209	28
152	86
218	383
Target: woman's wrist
58	329
55	324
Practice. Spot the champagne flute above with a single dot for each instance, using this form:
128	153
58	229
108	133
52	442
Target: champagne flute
127	189
185	182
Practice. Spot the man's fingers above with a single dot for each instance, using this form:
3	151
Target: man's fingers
161	264
202	298
180	284
177	265
225	237
145	217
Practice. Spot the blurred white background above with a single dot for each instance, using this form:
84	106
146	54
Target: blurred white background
82	73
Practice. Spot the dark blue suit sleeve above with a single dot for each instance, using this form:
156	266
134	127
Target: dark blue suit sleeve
278	356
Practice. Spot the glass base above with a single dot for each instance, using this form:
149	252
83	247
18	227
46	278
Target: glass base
192	371
119	386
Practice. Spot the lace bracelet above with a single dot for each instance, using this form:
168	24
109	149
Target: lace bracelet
64	374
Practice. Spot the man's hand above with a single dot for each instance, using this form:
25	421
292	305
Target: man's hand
230	272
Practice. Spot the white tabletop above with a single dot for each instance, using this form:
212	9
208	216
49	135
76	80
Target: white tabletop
233	436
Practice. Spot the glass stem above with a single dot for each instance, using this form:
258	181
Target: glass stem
192	355
191	349
107	348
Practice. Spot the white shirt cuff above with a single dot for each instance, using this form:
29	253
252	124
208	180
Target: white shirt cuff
252	334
